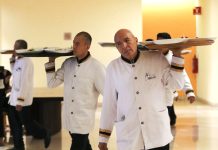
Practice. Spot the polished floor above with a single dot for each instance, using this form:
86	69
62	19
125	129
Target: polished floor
196	129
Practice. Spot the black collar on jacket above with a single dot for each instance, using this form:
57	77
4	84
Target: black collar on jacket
133	60
83	59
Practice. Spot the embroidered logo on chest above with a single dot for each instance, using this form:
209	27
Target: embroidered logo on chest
149	76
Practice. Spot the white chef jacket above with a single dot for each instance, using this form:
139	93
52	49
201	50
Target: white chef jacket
134	100
22	81
171	93
83	82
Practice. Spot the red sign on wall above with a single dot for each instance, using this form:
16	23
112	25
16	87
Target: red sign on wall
197	11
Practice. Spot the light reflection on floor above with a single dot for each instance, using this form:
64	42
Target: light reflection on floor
196	129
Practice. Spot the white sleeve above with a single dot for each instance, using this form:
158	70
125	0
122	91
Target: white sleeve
173	77
54	79
100	78
188	89
26	83
109	109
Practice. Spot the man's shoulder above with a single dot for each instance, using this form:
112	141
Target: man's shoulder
26	61
114	62
154	54
95	62
70	59
151	52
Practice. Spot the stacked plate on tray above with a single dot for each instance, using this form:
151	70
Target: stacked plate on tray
42	52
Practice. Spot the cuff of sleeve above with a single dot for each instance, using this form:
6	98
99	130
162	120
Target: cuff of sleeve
12	60
178	60
190	94
175	94
20	101
50	67
177	64
103	139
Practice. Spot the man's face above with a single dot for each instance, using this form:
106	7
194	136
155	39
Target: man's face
16	45
80	46
126	44
160	38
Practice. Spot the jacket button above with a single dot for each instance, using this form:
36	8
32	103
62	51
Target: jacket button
133	65
140	107
137	92
135	78
73	87
142	122
72	100
74	75
71	113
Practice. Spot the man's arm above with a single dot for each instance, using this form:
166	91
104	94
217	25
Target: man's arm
108	114
54	79
25	83
188	89
100	78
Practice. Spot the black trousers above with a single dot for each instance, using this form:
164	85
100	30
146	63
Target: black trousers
18	119
166	147
172	115
80	142
3	108
2	130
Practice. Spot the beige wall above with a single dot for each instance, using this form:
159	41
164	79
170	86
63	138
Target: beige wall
43	22
207	26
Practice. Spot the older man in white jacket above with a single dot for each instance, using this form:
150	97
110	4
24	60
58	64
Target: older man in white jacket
134	96
83	77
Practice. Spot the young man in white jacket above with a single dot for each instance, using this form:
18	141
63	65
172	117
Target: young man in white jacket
83	77
171	94
21	99
134	96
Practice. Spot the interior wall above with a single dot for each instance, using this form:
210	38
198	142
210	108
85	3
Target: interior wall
207	26
43	23
174	17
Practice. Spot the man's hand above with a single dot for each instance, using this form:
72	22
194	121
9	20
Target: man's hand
191	99
102	146
51	59
177	52
19	107
176	98
14	54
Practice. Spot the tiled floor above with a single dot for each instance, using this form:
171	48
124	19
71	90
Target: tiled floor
196	129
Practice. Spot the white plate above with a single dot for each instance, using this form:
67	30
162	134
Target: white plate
170	41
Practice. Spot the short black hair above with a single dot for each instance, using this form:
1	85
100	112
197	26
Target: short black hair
163	35
22	44
149	40
86	35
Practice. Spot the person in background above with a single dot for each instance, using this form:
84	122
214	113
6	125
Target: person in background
5	88
134	96
173	94
149	40
83	77
21	99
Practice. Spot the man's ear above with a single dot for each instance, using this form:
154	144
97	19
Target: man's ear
88	46
136	39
